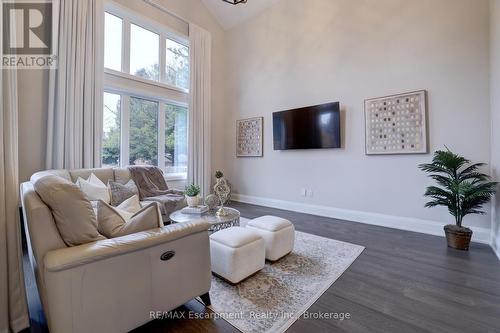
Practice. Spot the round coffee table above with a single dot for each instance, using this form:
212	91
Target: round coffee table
217	223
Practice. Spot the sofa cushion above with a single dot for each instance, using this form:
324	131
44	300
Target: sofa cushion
61	173
73	214
112	224
122	175
94	188
121	192
104	174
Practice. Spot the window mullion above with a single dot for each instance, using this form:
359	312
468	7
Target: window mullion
161	136
162	62
125	133
126	46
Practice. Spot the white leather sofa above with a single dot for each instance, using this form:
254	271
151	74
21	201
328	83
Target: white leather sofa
112	285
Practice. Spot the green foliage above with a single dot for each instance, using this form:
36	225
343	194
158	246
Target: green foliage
111	140
218	174
192	190
143	131
461	187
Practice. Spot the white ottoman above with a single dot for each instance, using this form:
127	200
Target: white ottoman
237	253
278	234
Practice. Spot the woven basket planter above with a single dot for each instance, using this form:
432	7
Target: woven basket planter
458	237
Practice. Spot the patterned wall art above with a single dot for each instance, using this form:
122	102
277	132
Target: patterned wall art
249	137
396	124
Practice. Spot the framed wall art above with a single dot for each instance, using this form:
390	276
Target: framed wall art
249	141
396	124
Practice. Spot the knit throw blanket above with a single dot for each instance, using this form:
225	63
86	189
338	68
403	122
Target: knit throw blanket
150	181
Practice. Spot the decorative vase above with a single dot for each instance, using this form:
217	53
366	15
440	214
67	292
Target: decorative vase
222	190
211	201
458	237
193	201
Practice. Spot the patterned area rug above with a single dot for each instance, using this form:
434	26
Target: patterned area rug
273	299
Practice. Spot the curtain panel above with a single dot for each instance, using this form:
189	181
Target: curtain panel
13	306
75	88
199	137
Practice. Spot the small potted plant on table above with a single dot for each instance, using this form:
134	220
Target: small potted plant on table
462	189
192	195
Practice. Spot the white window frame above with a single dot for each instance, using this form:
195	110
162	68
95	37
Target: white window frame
128	85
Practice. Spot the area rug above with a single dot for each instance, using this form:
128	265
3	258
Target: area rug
273	299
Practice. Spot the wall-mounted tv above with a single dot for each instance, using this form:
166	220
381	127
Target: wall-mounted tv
311	127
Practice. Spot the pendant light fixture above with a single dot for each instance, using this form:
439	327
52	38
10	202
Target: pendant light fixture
235	2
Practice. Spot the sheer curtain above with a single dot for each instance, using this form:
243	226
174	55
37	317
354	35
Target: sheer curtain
75	89
199	109
13	307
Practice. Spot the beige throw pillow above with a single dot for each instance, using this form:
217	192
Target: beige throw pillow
112	224
129	207
73	214
94	188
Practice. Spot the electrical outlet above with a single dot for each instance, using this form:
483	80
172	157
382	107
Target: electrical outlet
303	192
310	193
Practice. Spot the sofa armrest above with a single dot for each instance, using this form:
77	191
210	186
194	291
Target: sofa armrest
66	258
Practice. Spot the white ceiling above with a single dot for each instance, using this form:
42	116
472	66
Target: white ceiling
231	15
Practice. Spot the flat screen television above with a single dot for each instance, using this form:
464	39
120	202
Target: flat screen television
311	127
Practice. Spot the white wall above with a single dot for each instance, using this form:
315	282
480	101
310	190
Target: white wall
301	53
495	116
33	84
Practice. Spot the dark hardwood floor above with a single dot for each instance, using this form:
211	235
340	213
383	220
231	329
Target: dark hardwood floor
402	282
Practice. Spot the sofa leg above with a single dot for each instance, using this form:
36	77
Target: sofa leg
206	299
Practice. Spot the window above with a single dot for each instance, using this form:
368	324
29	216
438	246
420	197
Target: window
143	132
151	51
113	42
176	139
146	83
144	53
111	130
177	64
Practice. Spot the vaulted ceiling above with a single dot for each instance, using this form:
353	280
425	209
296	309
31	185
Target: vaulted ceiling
230	16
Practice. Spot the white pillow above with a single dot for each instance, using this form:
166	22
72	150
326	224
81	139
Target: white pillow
94	188
129	207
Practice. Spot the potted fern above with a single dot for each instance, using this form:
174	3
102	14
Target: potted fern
461	188
192	195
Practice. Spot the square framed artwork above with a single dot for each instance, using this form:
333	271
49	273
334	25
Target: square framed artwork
396	124
249	137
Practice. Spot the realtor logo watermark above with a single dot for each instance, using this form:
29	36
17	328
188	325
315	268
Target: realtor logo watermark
29	34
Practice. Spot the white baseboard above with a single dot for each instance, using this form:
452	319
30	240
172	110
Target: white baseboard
497	252
495	245
481	235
